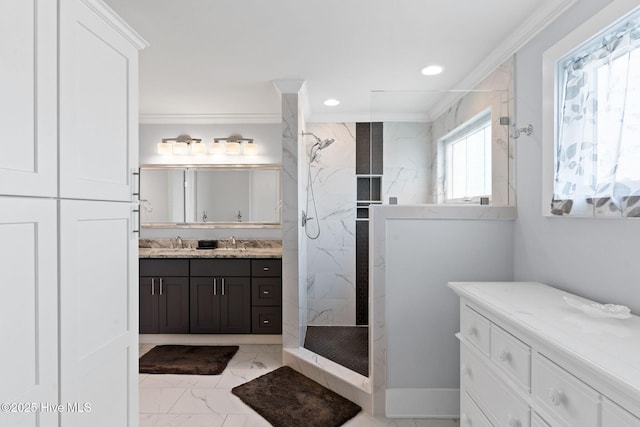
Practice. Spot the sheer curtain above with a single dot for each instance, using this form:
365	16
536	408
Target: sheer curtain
597	169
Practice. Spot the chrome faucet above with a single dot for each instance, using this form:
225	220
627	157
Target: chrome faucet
179	243
233	242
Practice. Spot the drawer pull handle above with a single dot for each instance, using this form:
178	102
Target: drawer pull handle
473	331
266	322
504	356
265	292
556	397
514	422
265	268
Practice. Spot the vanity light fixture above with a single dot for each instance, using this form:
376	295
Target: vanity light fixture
216	148
233	145
183	144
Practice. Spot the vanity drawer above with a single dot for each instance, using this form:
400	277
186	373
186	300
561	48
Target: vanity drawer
470	414
615	416
266	320
266	291
475	328
563	395
266	268
163	267
500	402
512	356
220	267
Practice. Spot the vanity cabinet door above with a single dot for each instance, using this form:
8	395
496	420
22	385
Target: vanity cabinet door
173	305
205	305
220	305
235	306
148	304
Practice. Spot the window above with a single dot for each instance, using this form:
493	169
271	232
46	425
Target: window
596	121
468	160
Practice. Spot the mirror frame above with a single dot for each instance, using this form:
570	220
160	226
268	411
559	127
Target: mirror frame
216	224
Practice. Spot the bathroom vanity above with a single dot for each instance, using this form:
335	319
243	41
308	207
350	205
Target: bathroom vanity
212	291
529	357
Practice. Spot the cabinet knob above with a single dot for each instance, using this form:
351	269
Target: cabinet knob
556	397
465	420
504	356
472	331
514	422
466	371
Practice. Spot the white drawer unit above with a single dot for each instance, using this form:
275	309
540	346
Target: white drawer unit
564	396
615	416
470	414
512	356
475	328
501	405
527	358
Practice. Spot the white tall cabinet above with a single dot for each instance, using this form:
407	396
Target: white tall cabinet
68	258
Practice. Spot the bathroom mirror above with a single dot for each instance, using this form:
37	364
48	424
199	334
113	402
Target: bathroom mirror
210	196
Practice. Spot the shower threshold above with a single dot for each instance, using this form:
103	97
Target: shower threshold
345	345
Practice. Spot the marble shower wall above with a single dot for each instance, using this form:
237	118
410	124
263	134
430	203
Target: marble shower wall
469	106
407	162
331	257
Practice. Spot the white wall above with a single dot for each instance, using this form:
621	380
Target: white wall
596	258
269	140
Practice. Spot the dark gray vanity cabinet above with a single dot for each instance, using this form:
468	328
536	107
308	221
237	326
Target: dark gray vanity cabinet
220	300
266	296
164	296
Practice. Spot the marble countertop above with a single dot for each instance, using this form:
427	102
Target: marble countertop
275	253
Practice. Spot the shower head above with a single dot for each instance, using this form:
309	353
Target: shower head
324	144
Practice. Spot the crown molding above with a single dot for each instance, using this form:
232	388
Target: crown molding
208	119
116	22
539	20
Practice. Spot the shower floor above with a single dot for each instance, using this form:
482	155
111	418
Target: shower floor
345	345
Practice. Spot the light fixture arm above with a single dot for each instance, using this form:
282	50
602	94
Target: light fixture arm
182	138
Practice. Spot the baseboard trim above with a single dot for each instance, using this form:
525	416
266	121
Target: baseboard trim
423	403
208	339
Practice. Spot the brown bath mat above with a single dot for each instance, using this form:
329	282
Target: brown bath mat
186	359
287	398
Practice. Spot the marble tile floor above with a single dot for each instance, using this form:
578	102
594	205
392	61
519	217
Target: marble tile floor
206	400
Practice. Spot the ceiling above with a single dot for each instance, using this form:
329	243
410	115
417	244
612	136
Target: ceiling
216	60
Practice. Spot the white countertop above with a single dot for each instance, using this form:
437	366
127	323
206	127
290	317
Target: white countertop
609	346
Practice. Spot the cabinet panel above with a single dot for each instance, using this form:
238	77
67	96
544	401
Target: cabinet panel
98	106
28	97
28	318
266	268
475	328
159	267
148	305
266	291
266	320
235	306
173	310
99	319
220	267
205	305
563	395
615	416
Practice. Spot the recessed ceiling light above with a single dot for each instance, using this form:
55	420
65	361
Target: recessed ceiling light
432	70
331	102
